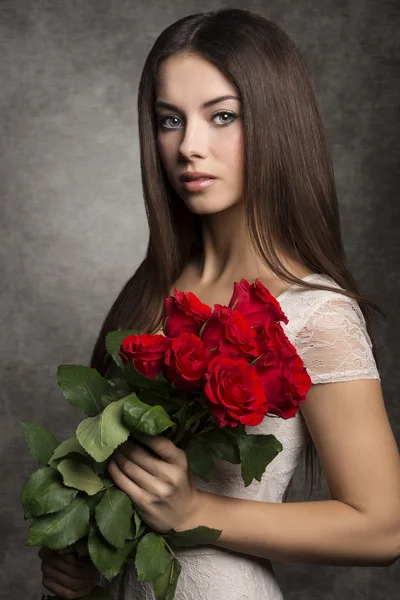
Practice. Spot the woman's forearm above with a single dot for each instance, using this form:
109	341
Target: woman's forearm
323	532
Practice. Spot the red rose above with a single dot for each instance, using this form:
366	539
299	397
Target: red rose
146	351
282	372
297	383
229	332
235	392
185	314
273	337
186	362
256	304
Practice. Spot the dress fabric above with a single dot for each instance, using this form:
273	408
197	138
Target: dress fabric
329	332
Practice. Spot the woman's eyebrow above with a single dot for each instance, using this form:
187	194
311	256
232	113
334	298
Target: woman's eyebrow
160	103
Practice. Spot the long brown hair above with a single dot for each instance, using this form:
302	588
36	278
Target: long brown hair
289	187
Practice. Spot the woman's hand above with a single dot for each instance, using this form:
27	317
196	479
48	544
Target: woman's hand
67	575
161	487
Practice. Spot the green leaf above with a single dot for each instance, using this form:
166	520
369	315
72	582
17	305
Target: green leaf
106	558
164	586
41	442
80	476
44	493
67	550
200	459
116	395
113	516
152	557
60	529
102	434
81	547
137	527
132	531
256	452
152	420
101	467
120	384
83	387
181	415
221	445
153	398
114	340
193	537
66	448
93	501
138	381
140	525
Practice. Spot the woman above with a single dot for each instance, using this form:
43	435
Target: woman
227	95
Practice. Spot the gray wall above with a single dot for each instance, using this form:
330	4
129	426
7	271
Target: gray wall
73	226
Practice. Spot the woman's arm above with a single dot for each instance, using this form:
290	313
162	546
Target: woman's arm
326	532
360	526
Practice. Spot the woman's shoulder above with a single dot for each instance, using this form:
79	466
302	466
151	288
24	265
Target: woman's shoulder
318	293
300	304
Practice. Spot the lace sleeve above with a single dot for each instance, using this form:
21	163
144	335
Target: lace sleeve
334	343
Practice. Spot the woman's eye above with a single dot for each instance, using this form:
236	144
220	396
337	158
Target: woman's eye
163	119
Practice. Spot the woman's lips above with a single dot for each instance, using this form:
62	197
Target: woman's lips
197	185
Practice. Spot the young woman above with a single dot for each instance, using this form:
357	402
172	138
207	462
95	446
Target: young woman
226	96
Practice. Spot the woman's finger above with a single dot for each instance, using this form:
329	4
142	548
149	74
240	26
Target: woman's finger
83	564
73	583
138	474
137	494
65	592
142	456
67	569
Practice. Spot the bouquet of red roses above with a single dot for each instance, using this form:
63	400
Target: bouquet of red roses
203	379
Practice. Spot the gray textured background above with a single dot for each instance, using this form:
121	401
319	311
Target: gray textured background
73	225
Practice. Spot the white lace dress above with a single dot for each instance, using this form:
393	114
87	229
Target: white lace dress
329	333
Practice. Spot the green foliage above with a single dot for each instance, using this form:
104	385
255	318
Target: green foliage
152	557
164	586
60	529
153	398
67	448
113	516
152	420
256	452
102	434
80	476
41	442
221	445
83	387
140	526
113	343
44	493
137	381
116	395
106	558
81	547
74	507
120	384
191	537
200	459
93	501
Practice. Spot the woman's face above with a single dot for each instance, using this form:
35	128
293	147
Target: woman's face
195	138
